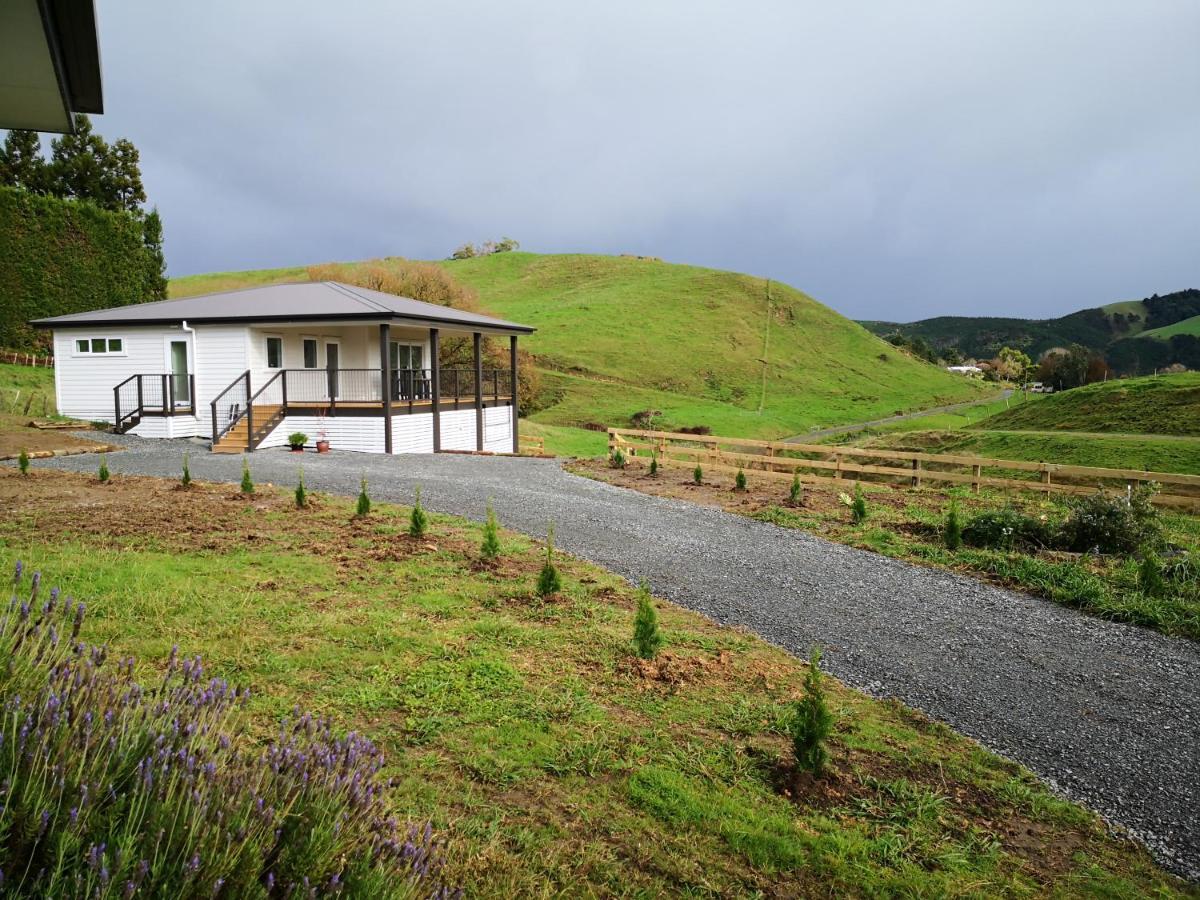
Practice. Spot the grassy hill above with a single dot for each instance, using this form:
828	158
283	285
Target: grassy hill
620	335
1099	328
1168	404
1186	326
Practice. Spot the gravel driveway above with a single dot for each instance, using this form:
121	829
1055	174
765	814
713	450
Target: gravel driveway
1109	714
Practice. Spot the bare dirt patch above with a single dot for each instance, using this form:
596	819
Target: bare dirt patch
16	435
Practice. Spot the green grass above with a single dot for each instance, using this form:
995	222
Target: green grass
18	382
1155	454
551	762
1164	404
1187	326
562	440
215	282
619	335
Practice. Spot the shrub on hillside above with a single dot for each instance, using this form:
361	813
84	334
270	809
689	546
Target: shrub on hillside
1007	529
811	721
739	480
113	789
647	639
418	520
549	580
1113	523
489	547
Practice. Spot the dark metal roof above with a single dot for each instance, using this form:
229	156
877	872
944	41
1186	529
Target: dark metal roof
309	301
74	25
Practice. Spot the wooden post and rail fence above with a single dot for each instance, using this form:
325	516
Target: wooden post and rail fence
836	465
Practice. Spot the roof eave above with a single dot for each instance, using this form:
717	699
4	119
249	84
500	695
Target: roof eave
431	321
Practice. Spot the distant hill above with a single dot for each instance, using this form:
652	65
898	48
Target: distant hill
622	335
1166	404
1109	329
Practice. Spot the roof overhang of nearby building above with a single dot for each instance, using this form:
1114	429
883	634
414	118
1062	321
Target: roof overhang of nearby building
277	321
49	64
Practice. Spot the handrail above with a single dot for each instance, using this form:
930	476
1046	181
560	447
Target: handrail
243	377
270	381
162	385
235	417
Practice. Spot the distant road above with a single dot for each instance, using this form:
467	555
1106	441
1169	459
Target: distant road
860	426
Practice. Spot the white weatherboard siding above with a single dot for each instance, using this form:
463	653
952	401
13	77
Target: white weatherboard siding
85	381
410	434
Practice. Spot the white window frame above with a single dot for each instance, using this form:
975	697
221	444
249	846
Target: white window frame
75	351
410	344
316	340
267	338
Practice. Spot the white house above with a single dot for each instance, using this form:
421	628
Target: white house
247	368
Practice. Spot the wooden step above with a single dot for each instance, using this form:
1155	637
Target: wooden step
266	419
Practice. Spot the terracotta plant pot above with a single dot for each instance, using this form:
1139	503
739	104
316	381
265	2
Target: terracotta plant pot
322	446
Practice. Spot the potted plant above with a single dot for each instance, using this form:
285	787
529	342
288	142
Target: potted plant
297	440
322	434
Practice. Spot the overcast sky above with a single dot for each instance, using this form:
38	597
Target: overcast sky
894	160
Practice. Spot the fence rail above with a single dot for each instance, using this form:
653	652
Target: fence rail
16	358
845	465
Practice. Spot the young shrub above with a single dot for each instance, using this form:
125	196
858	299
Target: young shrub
186	478
1008	528
247	481
163	790
796	491
811	721
364	502
301	494
23	463
1113	523
617	459
858	506
102	474
418	521
739	480
489	547
297	440
654	468
549	580
1150	575
647	639
953	527
698	474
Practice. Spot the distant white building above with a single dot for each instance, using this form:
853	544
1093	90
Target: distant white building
965	370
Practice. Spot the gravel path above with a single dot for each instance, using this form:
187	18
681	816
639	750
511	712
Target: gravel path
1108	714
808	436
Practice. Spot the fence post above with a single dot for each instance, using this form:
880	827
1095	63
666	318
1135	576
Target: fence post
612	441
1046	480
837	469
975	471
916	476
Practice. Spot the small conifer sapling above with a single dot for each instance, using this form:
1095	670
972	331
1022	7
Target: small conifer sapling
647	639
23	463
301	494
953	527
247	481
858	506
795	492
739	480
364	502
418	521
812	721
698	475
489	548
549	580
654	468
186	478
102	474
1150	576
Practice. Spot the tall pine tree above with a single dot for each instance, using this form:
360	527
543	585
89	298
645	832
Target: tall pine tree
21	162
156	272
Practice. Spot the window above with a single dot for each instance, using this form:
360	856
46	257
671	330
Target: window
310	353
405	356
96	346
274	353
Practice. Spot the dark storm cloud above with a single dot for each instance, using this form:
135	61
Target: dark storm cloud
894	160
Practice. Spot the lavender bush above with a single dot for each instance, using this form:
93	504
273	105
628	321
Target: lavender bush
111	789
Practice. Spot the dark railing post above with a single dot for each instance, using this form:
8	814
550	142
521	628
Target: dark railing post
117	408
141	402
478	347
456	390
385	382
214	420
162	398
249	415
435	388
512	367
170	410
283	388
192	391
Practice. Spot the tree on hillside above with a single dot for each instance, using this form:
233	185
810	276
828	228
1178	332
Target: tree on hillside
1013	365
1071	368
83	166
21	162
152	237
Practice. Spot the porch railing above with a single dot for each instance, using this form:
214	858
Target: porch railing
152	394
329	389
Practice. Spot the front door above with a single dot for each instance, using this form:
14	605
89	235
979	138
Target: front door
179	373
331	366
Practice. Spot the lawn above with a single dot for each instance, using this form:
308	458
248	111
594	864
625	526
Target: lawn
27	393
549	758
